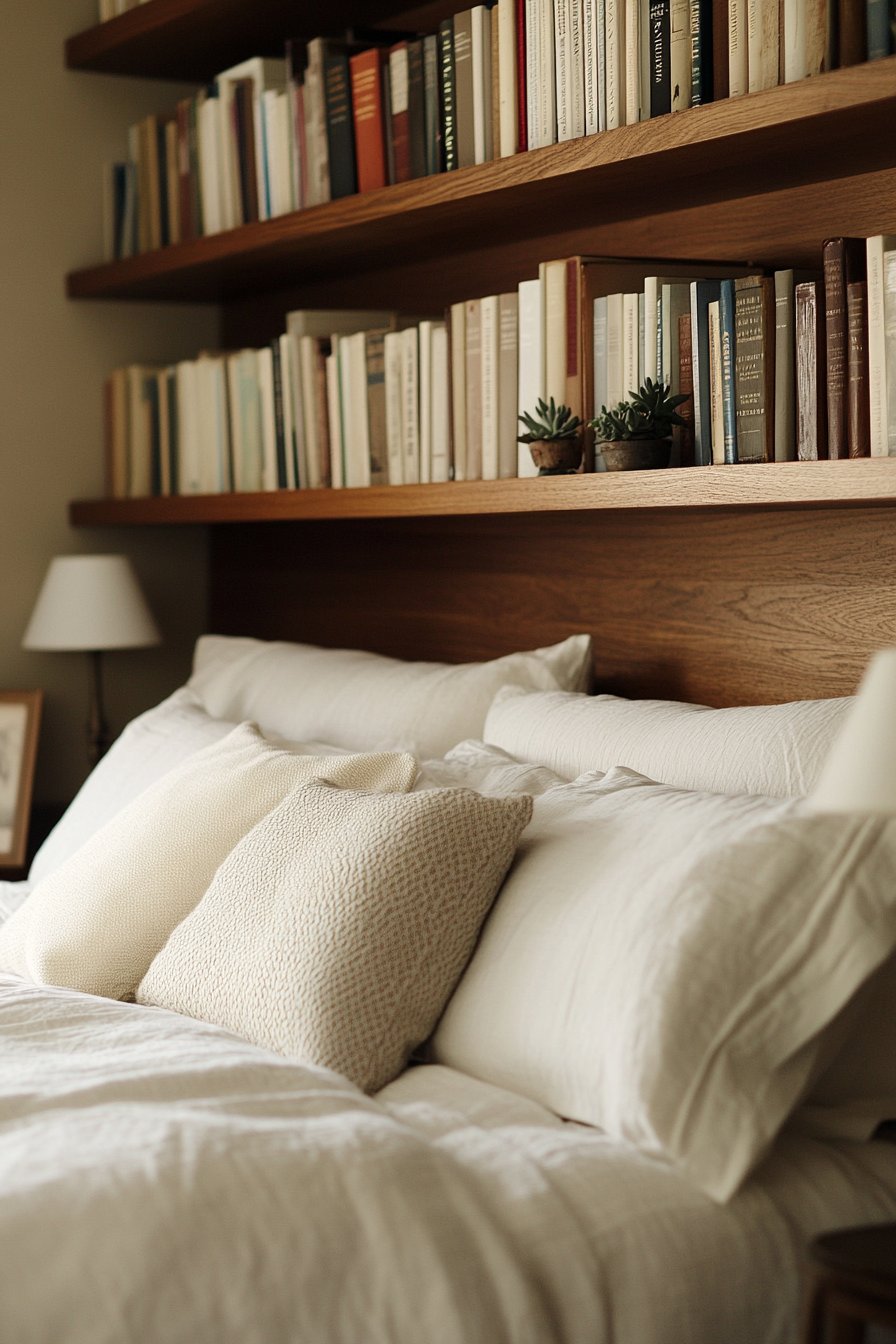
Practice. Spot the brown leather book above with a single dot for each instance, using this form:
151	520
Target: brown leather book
853	43
369	118
859	412
811	399
719	49
844	260
754	368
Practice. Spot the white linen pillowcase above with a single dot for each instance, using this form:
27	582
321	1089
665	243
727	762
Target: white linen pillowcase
489	770
95	923
336	929
367	702
773	750
664	964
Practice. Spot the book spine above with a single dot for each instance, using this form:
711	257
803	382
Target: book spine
533	73
615	59
432	122
877	22
754	326
508	140
546	90
410	404
521	68
719	49
279	418
463	85
839	263
738	59
890	344
785	367
400	133
717	419
367	107
877	354
392	360
600	355
508	375
701	34
728	349
416	109
795	18
425	400
852	39
440	417
488	368
660	74
858	428
680	53
703	292
562	78
530	384
686	388
589	58
632	62
763	44
340	137
601	22
553	278
473	329
446	91
615	365
457	363
811	405
481	49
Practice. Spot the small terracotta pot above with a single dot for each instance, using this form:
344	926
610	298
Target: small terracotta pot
556	457
635	454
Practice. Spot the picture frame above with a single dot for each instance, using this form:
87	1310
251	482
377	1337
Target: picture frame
20	713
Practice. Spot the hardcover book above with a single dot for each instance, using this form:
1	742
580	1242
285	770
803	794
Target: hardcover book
811	399
858	429
340	129
463	88
844	262
369	118
754	366
728	347
446	93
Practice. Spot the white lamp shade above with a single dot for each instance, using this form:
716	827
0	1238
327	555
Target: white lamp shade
859	774
90	602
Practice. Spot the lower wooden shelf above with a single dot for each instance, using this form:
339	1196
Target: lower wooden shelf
772	485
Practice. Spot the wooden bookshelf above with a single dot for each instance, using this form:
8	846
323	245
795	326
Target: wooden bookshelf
760	179
775	485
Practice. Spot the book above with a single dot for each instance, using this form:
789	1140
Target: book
675	300
440	437
521	68
293	428
432	122
457	355
508	379
616	388
377	443
631	362
877	25
369	118
857	423
890	344
424	347
738	49
488	374
446	93
258	75
685	383
552	275
269	474
700	22
660	70
399	129
340	129
717	418
590	66
480	47
410	405
808	30
811	399
852	41
245	420
279	416
508	94
416	109
754	367
633	54
719	49
463	88
600	353
680	53
316	141
569	69
875	248
703	293
354	409
843	262
334	415
542	123
392	371
188	473
530	387
728	348
763	45
615	63
785	367
473	381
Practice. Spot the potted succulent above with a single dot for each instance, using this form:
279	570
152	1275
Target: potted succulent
554	436
637	433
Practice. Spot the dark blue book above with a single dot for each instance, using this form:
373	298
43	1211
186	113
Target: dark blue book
727	342
340	122
701	52
660	36
416	109
877	28
703	293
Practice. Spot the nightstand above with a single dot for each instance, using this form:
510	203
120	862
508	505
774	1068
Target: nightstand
852	1284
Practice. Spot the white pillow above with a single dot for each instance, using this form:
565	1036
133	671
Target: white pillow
335	931
366	702
489	770
774	750
662	964
97	921
150	746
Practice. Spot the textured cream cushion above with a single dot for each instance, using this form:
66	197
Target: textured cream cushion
336	930
663	964
366	702
97	921
774	750
151	745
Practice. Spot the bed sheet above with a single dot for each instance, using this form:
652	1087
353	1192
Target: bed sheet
164	1182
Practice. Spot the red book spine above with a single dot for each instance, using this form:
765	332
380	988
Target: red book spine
523	128
369	118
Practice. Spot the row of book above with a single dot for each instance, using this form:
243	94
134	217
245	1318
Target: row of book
777	367
340	115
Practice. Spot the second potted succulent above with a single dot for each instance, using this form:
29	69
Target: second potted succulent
637	434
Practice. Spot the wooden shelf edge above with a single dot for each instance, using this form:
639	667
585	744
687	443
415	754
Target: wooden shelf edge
774	485
201	265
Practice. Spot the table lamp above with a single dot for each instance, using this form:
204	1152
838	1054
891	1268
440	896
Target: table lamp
859	774
91	603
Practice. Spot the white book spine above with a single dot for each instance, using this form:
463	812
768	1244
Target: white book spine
439	420
589	65
615	365
600	354
763	42
392	359
236	420
890	346
651	294
577	66
680	54
410	405
562	79
309	464
207	134
458	358
489	366
507	78
357	456
876	248
795	67
632	62
334	415
482	103
268	424
553	276
533	70
187	430
615	63
630	343
547	93
228	178
715	385
646	57
601	64
531	362
295	444
425	393
738	49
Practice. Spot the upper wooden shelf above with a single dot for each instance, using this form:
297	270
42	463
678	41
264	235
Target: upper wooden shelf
776	485
194	39
811	131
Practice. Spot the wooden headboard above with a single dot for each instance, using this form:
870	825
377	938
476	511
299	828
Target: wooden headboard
717	606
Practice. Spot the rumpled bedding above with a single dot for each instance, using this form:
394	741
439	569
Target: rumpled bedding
166	1183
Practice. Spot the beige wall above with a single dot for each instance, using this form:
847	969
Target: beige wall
57	128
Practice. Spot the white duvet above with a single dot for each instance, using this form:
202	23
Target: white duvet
162	1181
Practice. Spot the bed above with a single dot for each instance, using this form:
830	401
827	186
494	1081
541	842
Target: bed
523	1164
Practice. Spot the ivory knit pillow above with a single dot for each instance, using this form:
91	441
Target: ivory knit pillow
337	929
96	922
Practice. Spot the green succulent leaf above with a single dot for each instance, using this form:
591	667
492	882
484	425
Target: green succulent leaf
649	413
549	421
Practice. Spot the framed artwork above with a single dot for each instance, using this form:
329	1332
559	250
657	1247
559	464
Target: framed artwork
19	725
